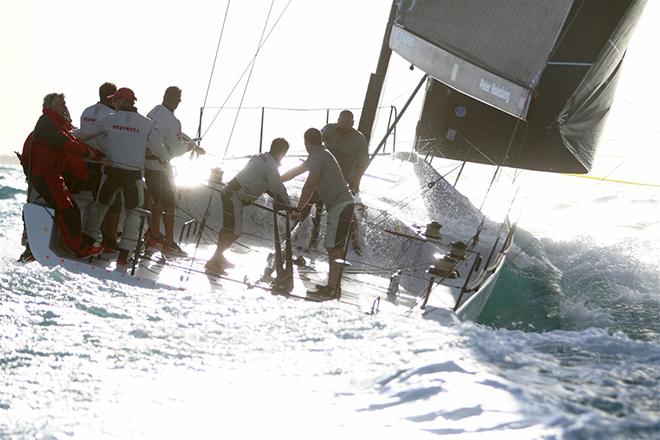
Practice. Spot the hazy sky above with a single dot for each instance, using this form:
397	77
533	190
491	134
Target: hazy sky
320	55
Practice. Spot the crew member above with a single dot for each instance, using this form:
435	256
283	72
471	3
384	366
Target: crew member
326	178
259	175
88	122
45	156
128	136
159	177
349	147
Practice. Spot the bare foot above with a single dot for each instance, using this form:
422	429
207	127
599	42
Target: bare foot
214	267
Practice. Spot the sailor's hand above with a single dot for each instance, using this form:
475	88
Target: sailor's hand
296	215
199	151
105	161
94	154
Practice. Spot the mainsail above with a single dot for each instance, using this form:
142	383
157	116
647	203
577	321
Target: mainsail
519	83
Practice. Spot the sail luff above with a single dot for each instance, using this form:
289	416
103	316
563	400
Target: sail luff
582	118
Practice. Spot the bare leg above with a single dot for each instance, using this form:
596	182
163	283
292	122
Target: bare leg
225	239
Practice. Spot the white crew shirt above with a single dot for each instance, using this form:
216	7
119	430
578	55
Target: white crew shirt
89	118
128	136
169	127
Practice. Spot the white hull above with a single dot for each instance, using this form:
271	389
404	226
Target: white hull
46	246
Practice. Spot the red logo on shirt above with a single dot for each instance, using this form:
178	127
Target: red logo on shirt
125	128
86	119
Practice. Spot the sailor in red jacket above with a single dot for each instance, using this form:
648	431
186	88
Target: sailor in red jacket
52	143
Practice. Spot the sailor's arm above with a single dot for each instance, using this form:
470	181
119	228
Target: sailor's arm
308	188
169	128
294	172
168	133
191	144
277	188
175	144
155	145
87	133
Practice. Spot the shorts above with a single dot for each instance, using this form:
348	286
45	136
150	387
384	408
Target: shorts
125	182
94	172
161	187
232	212
338	224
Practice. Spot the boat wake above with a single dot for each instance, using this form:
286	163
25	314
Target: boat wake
577	285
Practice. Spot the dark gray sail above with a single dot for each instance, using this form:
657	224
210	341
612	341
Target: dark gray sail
520	83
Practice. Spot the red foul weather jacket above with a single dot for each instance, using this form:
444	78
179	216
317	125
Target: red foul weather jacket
54	149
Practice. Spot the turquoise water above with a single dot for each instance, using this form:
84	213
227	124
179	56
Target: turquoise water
568	347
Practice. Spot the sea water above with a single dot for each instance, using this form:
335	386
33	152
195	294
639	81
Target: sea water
568	347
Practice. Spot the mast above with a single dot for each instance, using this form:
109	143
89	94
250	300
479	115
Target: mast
376	80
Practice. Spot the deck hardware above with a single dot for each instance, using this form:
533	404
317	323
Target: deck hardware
433	230
444	266
283	268
393	288
458	250
375	307
187	229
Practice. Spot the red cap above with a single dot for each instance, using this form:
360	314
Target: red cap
124	93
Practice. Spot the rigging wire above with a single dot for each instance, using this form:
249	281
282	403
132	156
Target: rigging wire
247	82
499	167
643	144
245	70
382	217
215	59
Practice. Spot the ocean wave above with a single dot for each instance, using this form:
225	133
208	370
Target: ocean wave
489	382
8	192
577	285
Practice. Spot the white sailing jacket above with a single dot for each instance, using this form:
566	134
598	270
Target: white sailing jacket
89	118
169	127
128	136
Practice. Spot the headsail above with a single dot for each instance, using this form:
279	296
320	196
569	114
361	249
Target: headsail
520	83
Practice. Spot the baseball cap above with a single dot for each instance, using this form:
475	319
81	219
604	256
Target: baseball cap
124	93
